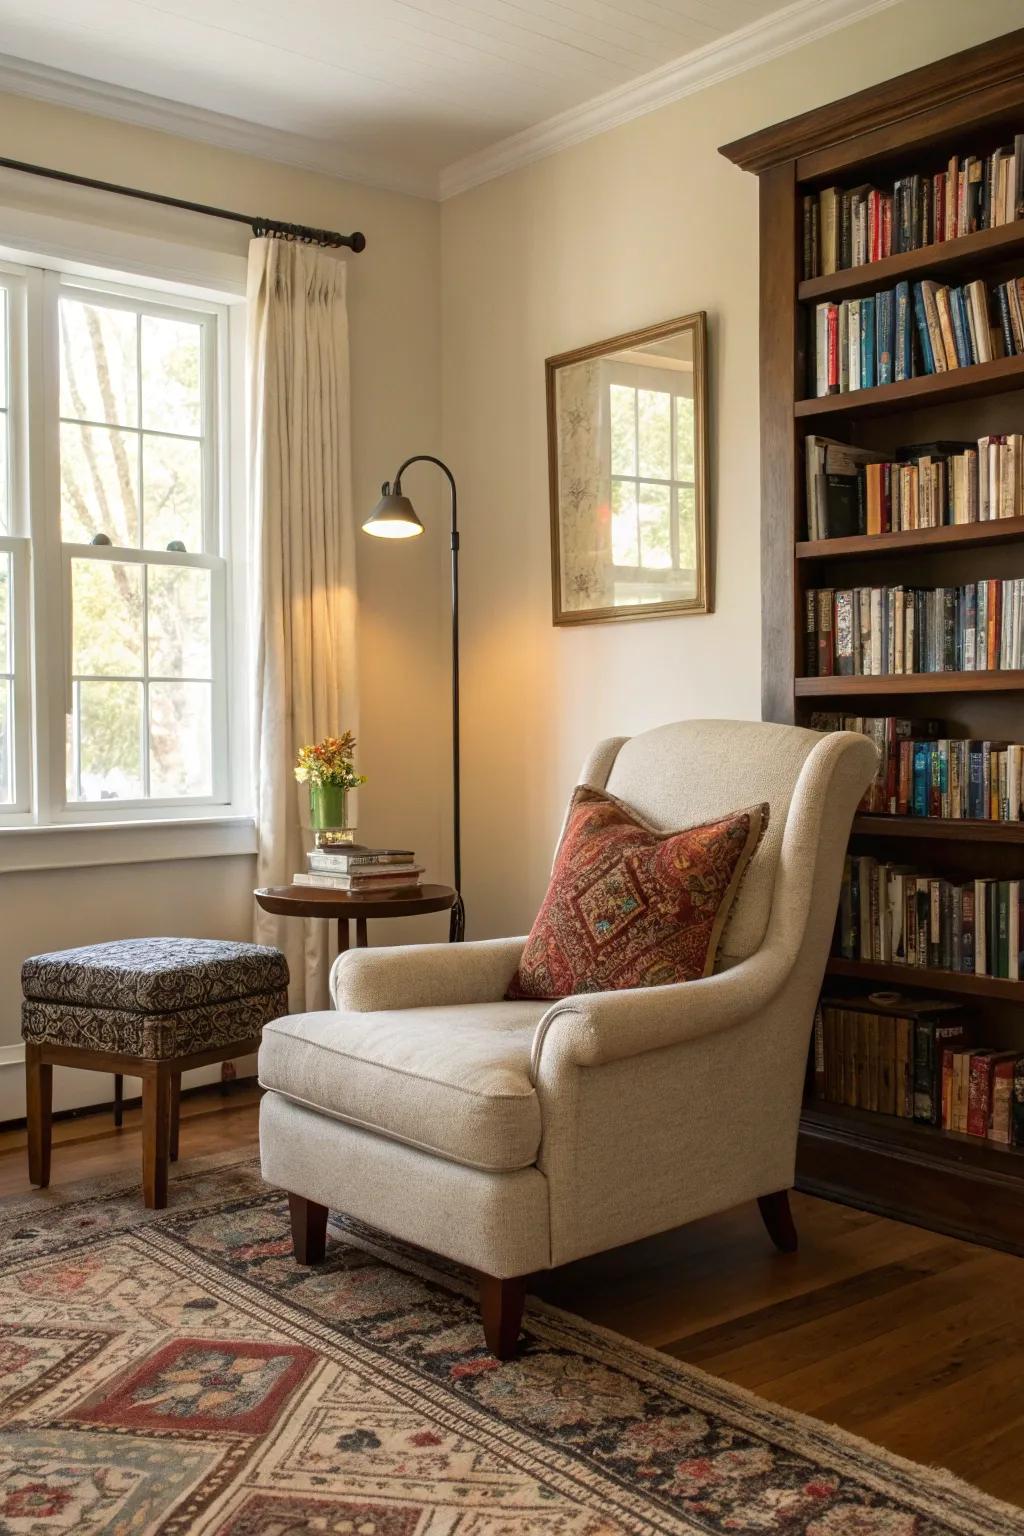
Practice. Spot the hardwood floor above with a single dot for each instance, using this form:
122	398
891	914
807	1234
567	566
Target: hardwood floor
912	1340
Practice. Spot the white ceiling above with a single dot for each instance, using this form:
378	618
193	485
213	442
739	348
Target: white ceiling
389	91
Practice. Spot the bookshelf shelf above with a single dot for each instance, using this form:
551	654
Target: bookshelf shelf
1004	374
969	254
937	829
904	127
900	684
932	1139
924	978
918	540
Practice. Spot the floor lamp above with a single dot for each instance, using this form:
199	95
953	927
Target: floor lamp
394	517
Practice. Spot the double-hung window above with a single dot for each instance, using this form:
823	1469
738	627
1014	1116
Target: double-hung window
113	554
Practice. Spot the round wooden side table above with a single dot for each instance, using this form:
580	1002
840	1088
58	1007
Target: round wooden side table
319	901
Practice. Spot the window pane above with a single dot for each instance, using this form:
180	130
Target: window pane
106	601
684	438
5	524
98	363
172	494
654	410
6	743
624	532
3	347
179	622
99	475
687	498
5	614
623	425
109	724
655	530
171	374
180	756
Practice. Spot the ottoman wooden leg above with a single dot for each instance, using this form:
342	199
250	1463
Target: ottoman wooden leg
156	1136
118	1100
39	1109
175	1115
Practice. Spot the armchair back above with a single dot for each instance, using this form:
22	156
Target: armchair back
693	771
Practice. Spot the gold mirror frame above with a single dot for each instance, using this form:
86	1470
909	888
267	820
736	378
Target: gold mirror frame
701	601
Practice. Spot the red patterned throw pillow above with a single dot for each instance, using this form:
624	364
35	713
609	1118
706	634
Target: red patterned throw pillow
629	906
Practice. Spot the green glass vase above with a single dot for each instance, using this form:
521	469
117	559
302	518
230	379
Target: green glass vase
328	807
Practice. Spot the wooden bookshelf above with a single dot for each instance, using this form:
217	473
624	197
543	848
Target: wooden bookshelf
930	389
917	540
970	254
923	978
968	104
898	684
939	829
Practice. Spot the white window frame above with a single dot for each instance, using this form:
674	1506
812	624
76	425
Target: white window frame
17	544
44	829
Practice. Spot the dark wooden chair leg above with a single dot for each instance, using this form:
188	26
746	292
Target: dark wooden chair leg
39	1110
501	1308
118	1100
778	1218
309	1229
175	1116
156	1137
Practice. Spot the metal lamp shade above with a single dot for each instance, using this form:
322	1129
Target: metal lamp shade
393	517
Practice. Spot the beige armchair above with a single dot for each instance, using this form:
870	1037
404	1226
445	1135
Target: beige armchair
515	1136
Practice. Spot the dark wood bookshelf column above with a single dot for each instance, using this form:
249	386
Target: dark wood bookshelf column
781	379
967	104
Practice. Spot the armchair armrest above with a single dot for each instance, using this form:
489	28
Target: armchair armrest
424	975
591	1029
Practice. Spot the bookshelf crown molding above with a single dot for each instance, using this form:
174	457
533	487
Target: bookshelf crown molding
781	32
984	67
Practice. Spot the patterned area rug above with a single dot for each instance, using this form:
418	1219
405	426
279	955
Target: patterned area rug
177	1372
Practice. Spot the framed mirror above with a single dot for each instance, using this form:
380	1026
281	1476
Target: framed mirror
628	468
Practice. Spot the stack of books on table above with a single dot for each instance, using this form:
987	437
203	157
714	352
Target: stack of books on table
355	868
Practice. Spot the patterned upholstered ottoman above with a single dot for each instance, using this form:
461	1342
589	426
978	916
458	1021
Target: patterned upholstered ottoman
152	1008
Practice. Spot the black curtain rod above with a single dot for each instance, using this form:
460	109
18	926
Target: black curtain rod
326	237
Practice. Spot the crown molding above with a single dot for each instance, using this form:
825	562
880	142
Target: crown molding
796	24
781	32
21	77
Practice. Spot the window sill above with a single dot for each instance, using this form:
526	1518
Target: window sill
79	845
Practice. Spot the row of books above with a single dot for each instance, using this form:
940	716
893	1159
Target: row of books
924	774
852	490
851	227
358	869
913	329
894	915
893	631
915	1061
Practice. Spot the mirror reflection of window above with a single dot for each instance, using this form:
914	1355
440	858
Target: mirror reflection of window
652	480
628	503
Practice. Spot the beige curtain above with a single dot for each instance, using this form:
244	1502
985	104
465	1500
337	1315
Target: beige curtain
304	561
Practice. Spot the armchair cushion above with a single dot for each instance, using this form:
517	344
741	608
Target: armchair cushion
629	906
451	1080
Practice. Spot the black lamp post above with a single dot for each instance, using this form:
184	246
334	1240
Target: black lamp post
395	518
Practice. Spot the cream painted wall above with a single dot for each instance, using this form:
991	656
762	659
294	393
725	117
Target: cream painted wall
643	223
394	297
